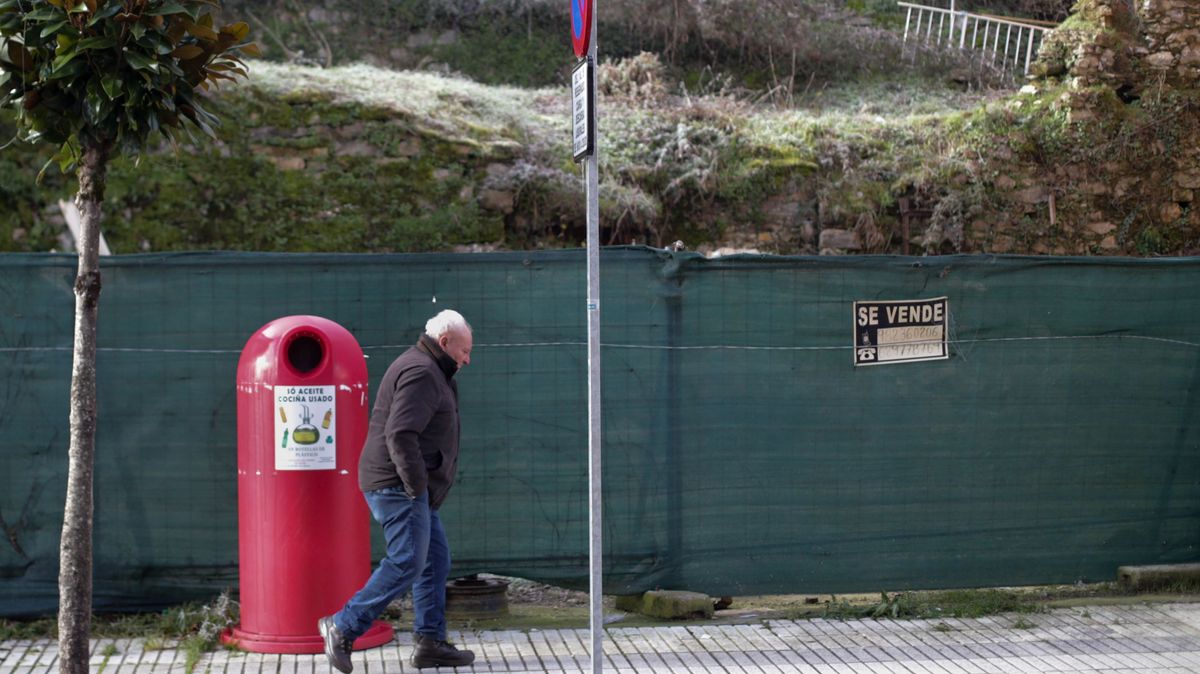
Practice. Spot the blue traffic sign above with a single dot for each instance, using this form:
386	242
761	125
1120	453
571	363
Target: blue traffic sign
581	26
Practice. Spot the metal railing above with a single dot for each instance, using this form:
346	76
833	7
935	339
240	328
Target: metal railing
977	32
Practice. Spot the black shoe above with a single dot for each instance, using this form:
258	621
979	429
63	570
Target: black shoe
337	645
434	653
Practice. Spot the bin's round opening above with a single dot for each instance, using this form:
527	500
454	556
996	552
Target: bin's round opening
305	351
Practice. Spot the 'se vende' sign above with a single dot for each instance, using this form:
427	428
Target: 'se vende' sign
900	331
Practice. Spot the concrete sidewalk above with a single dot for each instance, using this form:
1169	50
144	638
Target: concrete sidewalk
1141	638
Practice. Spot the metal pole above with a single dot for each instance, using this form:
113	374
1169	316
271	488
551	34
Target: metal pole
595	501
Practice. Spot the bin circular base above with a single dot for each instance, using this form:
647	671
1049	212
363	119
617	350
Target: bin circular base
380	633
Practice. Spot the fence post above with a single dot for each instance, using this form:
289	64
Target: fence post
1028	52
1007	41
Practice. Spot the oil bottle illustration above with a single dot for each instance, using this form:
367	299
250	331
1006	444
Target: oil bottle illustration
306	433
326	420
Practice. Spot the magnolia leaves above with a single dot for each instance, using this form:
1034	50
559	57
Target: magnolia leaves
114	70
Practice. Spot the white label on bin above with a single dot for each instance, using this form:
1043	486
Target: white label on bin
305	428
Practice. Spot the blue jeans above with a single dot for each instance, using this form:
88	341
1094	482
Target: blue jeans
417	557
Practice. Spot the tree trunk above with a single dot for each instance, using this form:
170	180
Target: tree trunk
75	552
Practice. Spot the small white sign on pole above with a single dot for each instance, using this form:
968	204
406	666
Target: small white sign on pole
583	119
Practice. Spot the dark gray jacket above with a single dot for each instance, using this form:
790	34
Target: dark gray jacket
412	439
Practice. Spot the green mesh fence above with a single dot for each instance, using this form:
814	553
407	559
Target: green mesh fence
743	452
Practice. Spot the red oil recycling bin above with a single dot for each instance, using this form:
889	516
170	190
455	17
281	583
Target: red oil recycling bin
304	540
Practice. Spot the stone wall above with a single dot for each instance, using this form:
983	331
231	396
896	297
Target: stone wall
1098	155
1126	78
1172	29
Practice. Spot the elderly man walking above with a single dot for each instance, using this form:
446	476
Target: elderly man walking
406	469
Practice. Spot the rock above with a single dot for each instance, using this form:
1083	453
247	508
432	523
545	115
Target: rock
18	233
476	248
1005	183
288	163
1162	59
1078	115
350	131
729	250
358	148
1101	228
808	232
781	209
1086	65
1048	68
1189	180
1169	212
1030	195
1141	578
630	603
411	147
1109	243
497	200
676	605
419	39
1182	195
321	15
442	175
839	239
1190	56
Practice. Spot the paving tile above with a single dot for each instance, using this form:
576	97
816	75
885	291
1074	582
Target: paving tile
493	654
542	650
1140	639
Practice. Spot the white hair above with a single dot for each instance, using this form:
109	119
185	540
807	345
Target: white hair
446	321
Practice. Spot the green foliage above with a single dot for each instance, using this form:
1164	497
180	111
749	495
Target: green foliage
508	52
23	226
205	199
41	628
669	171
940	604
195	627
112	72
